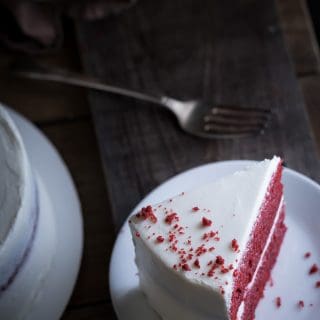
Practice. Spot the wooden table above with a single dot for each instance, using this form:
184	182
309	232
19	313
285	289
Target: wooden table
64	116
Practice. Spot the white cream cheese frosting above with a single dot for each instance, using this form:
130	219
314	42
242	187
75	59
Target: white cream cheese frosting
193	231
12	173
27	231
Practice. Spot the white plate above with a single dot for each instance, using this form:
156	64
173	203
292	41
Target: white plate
55	177
290	275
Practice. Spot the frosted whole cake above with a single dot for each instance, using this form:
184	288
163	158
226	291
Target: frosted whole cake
207	253
27	231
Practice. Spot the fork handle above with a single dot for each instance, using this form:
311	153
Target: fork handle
32	70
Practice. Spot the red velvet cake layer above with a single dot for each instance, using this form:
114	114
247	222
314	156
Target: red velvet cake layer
255	293
258	239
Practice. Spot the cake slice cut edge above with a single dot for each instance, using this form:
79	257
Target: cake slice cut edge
198	253
262	274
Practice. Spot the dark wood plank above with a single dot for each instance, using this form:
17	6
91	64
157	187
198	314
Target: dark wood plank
45	102
229	53
101	311
299	35
77	144
311	91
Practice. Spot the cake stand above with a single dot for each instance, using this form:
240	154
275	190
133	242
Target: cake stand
64	203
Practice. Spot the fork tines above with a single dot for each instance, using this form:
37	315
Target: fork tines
236	121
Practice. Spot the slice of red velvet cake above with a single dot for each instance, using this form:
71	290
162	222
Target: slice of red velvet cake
208	253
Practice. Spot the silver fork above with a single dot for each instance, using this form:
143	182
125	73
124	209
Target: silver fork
194	117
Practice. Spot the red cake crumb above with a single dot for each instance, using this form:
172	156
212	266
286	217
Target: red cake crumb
171	237
219	260
206	222
307	255
181	230
208	235
147	213
160	239
197	263
235	272
171	217
224	270
201	250
318	284
314	268
173	247
278	302
234	245
137	234
195	209
301	304
210	273
185	267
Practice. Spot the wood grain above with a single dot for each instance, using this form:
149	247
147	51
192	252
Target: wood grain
45	102
63	114
100	311
51	103
299	36
311	91
77	144
230	53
